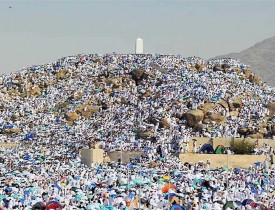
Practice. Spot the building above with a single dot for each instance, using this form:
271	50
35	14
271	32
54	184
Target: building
139	46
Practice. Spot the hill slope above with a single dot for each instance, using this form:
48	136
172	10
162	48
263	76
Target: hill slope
261	58
131	98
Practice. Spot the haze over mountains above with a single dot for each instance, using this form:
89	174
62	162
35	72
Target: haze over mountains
261	58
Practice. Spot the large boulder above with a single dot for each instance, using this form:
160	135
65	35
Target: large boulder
207	107
255	79
115	82
86	110
234	113
198	128
193	117
61	74
199	67
138	74
153	164
14	117
147	93
223	103
235	103
243	131
271	108
247	73
98	60
145	134
256	136
71	116
35	90
149	74
237	70
217	117
164	123
12	131
152	120
218	68
77	96
225	66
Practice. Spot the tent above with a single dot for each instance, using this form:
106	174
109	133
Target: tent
176	207
219	149
207	148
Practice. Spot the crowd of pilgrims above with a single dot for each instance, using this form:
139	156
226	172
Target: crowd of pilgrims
127	107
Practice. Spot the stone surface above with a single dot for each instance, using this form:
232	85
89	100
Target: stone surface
207	107
271	108
220	160
193	117
164	123
71	116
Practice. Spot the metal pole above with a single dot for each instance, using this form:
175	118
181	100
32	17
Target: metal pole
227	172
168	187
128	179
120	152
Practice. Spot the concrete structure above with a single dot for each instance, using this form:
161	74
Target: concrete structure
8	145
89	156
123	156
217	160
226	142
139	46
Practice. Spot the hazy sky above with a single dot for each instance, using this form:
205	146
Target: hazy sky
37	32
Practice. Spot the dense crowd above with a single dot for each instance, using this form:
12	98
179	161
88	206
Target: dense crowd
129	103
32	176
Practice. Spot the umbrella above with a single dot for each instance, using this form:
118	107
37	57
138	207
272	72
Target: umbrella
230	204
78	197
257	163
53	205
260	205
247	201
167	187
110	208
39	206
237	171
176	207
143	200
169	195
239	203
2	197
95	206
166	178
89	196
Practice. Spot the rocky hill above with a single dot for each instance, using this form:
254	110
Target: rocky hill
131	98
261	58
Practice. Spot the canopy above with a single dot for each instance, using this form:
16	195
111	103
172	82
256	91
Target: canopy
219	149
206	148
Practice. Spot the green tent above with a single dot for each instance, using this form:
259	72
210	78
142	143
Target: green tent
219	149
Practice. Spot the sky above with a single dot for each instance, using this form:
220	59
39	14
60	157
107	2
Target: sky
34	32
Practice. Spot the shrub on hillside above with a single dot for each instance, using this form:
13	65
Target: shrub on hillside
242	146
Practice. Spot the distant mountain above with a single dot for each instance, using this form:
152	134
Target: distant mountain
261	58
